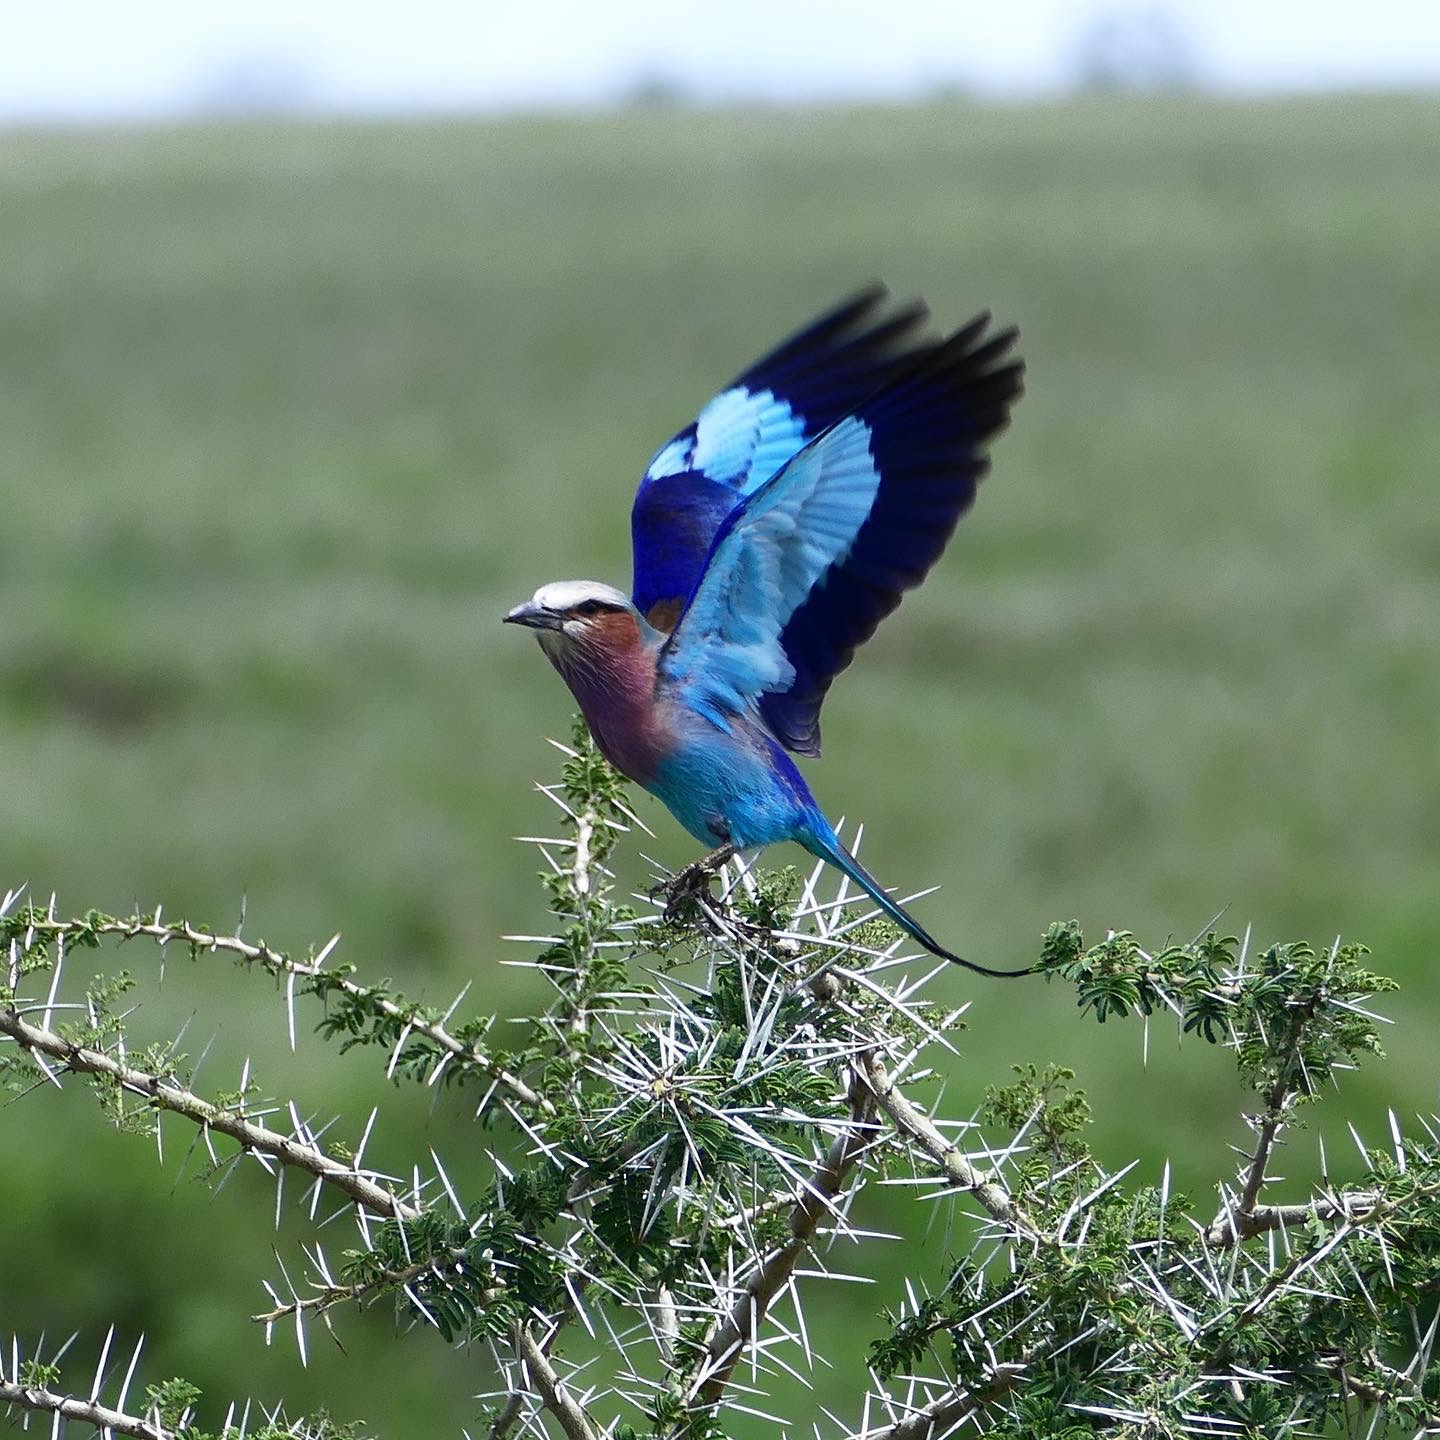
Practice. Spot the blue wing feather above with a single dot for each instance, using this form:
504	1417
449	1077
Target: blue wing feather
803	570
928	439
767	557
682	512
751	429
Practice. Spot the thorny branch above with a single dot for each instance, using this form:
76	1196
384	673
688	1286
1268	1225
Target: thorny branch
557	1398
510	1411
1397	1384
1239	1220
608	1122
326	1297
277	963
945	1415
1246	1217
88	1412
772	1274
917	1126
1346	1206
585	821
165	1094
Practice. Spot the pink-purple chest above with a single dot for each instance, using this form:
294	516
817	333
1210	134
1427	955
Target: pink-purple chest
616	692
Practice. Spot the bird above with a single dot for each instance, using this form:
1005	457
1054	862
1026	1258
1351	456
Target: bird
770	537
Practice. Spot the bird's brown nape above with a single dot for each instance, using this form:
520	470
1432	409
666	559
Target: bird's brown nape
615	631
665	614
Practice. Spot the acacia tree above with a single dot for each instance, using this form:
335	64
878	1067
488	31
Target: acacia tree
695	1111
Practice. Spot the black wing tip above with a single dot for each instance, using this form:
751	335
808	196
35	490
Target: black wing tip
981	345
861	321
876	325
974	366
861	327
870	297
968	356
865	297
898	352
846	316
981	361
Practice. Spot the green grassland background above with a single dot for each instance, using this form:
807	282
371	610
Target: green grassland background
289	415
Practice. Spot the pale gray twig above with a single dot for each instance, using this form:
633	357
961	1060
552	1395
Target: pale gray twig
944	1416
1236	1225
558	1400
88	1412
280	964
168	1095
772	1274
918	1126
326	1297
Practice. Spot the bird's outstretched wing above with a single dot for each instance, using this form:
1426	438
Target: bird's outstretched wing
751	428
805	568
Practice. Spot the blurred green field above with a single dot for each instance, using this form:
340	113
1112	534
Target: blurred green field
290	415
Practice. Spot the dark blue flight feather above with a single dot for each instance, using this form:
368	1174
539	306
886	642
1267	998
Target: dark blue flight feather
752	428
806	565
928	437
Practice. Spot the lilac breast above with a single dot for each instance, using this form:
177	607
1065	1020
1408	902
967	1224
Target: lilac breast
617	698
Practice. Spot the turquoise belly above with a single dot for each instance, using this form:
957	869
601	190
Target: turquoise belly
737	788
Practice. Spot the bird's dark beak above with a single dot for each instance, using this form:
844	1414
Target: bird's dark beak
537	617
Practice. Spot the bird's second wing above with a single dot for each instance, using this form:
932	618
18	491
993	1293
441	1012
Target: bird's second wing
750	429
805	568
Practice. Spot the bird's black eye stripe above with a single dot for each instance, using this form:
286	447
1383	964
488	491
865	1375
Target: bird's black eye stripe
591	607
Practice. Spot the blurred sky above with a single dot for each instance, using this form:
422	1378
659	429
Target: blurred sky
95	60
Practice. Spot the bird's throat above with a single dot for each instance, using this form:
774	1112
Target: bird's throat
615	688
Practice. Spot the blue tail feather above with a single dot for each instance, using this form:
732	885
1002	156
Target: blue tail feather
824	844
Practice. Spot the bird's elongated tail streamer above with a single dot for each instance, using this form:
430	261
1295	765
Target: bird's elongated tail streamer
826	846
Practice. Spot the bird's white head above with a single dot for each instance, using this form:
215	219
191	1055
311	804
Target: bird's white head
576	615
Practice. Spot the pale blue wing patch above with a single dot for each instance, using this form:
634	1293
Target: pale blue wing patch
775	549
743	437
672	458
739	440
761	419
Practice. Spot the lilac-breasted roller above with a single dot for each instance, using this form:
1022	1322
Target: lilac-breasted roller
771	536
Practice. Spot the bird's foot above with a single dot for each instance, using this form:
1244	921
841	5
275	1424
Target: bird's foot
692	882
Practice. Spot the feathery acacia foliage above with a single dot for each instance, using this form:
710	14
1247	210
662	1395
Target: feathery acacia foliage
680	1134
